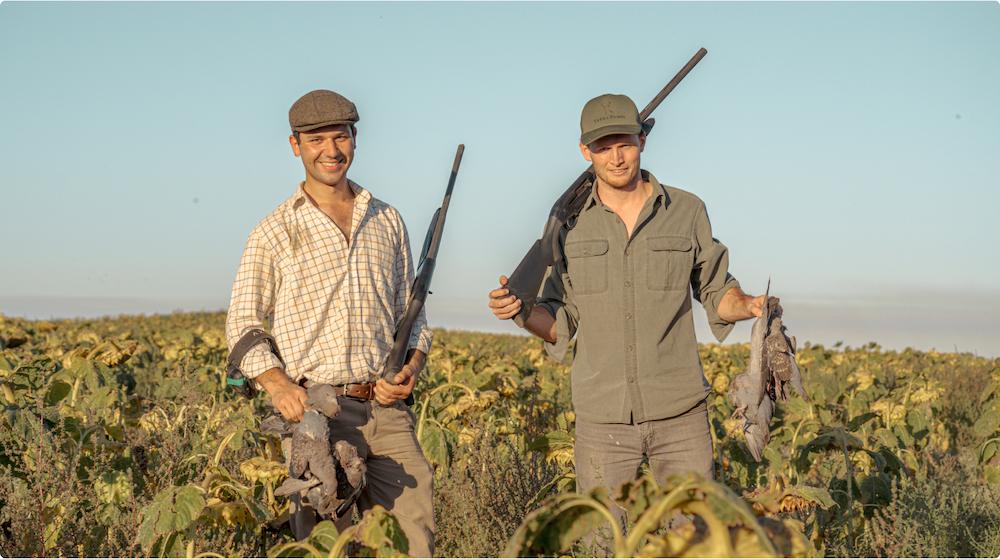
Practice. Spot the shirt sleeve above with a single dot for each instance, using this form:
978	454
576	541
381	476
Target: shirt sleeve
710	277
251	302
557	298
421	336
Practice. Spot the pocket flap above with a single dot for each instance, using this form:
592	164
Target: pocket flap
669	243
577	249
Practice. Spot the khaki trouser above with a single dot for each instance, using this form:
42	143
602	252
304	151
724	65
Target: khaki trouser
609	454
399	476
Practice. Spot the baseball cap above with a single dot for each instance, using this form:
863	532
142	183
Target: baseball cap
608	114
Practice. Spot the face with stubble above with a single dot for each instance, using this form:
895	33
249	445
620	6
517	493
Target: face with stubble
326	153
615	158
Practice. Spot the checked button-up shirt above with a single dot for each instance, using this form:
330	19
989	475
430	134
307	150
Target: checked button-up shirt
628	302
333	305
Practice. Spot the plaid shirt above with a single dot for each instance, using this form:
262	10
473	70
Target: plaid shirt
333	306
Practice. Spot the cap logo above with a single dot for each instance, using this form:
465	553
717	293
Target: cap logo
609	108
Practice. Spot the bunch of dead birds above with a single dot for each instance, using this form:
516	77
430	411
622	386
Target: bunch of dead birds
772	368
327	474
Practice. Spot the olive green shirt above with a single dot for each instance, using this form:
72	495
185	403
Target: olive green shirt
628	302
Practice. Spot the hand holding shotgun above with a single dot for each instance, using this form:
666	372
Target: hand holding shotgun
401	366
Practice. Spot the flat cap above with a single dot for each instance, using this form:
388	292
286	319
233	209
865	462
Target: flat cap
608	114
320	108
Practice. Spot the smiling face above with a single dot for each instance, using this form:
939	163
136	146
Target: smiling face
615	158
326	153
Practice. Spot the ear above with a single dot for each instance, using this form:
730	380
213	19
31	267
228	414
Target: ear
585	151
354	137
295	145
642	142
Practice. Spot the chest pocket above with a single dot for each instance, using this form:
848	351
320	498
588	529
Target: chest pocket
670	262
587	262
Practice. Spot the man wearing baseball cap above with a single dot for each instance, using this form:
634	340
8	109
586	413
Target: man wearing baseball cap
330	269
632	259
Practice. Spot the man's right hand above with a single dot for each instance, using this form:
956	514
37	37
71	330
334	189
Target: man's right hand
502	303
286	396
290	401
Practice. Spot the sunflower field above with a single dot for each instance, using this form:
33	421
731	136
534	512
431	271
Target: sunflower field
118	437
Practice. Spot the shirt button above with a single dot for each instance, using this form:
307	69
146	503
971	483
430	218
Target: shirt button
628	316
631	381
629	348
628	283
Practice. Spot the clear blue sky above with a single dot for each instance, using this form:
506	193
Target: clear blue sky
843	149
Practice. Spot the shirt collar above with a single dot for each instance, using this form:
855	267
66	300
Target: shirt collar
659	193
362	195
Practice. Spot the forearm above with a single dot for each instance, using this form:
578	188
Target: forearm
735	305
541	324
273	380
415	360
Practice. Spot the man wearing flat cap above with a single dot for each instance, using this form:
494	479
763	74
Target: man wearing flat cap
331	271
632	260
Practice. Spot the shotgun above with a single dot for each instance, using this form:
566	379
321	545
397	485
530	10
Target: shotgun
422	281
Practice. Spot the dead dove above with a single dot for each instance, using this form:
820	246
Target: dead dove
754	392
326	473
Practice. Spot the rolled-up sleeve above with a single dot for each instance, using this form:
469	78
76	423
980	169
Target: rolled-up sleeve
557	298
251	302
421	336
710	277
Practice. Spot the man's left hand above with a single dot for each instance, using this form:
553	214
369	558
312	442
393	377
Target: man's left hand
736	305
755	305
388	394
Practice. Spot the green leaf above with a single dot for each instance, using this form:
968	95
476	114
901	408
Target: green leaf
380	532
435	445
987	424
830	439
773	456
557	525
992	474
986	394
188	504
917	421
892	463
57	391
323	536
172	510
637	495
875	490
989	450
812	494
903	435
885	436
857	422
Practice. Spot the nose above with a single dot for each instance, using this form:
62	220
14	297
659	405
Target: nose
617	157
330	147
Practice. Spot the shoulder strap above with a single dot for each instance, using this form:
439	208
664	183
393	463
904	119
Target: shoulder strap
253	337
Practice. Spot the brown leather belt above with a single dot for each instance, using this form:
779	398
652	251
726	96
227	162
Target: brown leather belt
363	391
